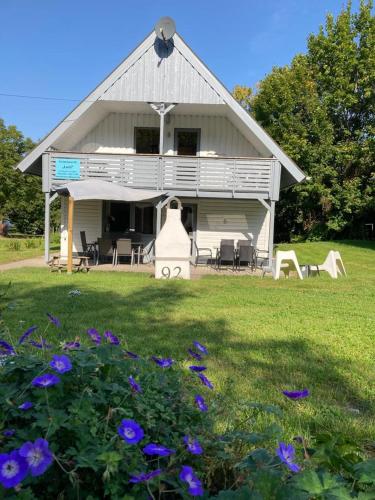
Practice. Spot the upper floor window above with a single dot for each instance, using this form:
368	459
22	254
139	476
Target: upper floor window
187	141
147	140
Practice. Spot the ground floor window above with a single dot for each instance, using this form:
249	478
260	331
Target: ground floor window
122	217
118	217
144	220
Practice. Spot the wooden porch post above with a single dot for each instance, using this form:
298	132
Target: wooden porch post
70	235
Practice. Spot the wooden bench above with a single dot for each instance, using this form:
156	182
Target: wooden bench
58	263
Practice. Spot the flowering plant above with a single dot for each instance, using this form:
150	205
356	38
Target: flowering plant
95	420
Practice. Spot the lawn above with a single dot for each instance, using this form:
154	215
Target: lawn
263	336
13	249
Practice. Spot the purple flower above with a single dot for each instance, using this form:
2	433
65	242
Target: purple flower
9	432
286	455
54	320
71	345
132	355
60	364
46	380
6	349
157	449
40	345
193	445
112	338
205	381
26	334
13	469
38	456
130	431
200	347
163	362
144	476
195	368
195	355
200	402
94	335
296	394
26	406
195	485
134	385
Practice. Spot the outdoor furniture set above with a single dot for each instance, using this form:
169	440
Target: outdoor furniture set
244	253
286	261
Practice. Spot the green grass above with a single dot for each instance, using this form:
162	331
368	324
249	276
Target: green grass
263	336
14	249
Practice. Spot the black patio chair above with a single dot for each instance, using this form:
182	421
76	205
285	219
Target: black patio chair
88	249
124	249
246	254
202	253
106	250
226	253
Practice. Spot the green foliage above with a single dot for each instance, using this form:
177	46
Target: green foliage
79	417
21	197
14	245
320	109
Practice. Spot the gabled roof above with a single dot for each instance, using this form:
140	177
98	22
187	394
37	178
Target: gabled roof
118	87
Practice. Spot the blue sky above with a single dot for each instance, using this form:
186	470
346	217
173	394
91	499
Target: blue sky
64	48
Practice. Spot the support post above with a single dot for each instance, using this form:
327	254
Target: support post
46	226
158	217
271	231
70	235
161	138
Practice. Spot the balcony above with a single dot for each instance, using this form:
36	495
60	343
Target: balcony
194	176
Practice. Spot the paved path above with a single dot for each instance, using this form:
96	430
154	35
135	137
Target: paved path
34	262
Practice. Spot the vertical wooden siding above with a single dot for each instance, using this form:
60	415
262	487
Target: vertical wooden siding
87	217
231	219
115	134
155	79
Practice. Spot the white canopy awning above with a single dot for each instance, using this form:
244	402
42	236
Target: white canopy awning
93	189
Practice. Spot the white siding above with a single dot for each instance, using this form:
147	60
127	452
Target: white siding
169	79
87	217
115	134
231	219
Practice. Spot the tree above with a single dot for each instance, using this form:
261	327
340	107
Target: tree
320	109
21	197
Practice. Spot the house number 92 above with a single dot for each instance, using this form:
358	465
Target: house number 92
168	273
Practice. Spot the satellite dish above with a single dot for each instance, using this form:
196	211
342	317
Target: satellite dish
165	28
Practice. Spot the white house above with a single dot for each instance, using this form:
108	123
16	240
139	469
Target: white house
162	121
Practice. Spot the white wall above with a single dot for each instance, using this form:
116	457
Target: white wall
87	217
231	219
115	134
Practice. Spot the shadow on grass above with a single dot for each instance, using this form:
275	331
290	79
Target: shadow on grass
152	319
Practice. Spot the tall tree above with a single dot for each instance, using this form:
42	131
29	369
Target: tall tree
320	109
21	197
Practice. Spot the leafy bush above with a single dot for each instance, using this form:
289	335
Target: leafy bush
98	421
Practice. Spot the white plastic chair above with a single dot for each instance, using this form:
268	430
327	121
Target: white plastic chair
333	265
286	261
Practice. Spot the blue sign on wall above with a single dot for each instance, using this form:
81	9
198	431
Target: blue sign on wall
68	168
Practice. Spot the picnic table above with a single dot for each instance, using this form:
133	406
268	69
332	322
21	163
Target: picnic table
80	263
